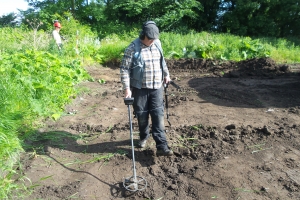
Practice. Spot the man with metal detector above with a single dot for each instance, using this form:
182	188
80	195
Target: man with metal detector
143	74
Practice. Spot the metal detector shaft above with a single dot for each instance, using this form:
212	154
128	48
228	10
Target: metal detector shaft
128	102
132	145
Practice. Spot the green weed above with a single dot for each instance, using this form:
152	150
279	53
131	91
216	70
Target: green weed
246	190
96	158
258	148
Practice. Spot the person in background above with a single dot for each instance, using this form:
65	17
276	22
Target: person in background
56	34
143	72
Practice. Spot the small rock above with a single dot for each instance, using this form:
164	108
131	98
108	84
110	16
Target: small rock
173	187
229	127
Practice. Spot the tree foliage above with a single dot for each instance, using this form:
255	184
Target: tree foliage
208	18
8	20
170	15
260	17
276	18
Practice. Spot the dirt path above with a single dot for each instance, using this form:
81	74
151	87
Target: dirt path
235	133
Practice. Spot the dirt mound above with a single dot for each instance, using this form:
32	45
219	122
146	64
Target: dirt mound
234	128
252	67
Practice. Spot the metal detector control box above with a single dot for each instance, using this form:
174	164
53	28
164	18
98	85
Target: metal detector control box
128	101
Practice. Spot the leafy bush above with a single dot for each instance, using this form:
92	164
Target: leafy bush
212	46
33	85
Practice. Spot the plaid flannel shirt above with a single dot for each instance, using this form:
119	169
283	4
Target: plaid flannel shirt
152	77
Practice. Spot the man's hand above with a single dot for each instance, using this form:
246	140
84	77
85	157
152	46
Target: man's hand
167	79
127	93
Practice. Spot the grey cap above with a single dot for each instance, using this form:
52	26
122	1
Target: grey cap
151	31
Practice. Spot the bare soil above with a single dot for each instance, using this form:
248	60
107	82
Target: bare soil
234	128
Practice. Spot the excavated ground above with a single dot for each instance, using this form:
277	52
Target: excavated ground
234	128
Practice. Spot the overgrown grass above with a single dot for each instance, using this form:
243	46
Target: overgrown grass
33	85
36	82
12	116
211	46
112	48
283	50
84	45
229	47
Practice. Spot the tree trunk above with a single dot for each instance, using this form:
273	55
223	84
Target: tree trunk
73	6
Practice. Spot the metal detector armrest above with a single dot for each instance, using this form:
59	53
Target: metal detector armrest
128	101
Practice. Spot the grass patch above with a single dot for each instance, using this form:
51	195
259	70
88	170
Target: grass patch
96	158
36	142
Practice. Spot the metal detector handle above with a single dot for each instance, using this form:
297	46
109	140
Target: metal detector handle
128	101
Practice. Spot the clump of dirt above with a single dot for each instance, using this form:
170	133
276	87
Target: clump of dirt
233	126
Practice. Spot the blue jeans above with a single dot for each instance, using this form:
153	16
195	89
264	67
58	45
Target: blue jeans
150	102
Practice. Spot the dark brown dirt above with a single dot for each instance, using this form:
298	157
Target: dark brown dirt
234	130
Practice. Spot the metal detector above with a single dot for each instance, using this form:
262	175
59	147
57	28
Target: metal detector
133	183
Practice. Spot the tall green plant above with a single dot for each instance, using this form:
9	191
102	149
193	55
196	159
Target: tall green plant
33	85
